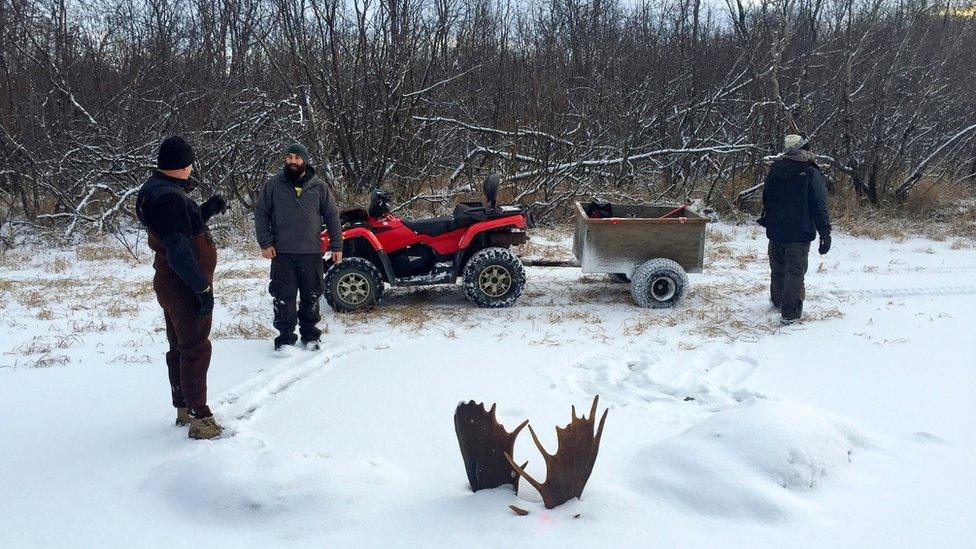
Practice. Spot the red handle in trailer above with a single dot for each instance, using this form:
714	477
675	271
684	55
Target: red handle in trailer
674	211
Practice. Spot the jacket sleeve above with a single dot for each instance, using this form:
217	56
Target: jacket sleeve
818	203
330	216
174	231
765	190
263	210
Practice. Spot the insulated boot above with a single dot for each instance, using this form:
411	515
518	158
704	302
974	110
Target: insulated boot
284	341
204	428
183	417
791	313
312	345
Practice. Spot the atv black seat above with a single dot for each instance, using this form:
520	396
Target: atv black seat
464	216
355	216
465	212
433	226
470	213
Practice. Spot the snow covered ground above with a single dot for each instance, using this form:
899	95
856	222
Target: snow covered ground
852	429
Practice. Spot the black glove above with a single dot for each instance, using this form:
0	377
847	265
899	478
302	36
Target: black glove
824	244
213	206
206	303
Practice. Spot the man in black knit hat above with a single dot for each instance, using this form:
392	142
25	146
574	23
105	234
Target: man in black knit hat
184	263
288	218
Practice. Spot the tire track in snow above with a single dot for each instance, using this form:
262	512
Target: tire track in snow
902	270
921	291
248	487
243	401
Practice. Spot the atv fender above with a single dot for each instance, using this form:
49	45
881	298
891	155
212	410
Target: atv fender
355	232
464	253
517	221
360	242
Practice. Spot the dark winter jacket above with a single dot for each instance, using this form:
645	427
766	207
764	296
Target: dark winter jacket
292	221
175	219
795	202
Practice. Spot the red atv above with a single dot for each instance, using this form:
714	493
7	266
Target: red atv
472	244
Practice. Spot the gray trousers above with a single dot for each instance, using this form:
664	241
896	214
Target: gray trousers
788	265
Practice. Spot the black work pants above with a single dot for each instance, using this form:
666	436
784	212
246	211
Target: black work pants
296	275
788	265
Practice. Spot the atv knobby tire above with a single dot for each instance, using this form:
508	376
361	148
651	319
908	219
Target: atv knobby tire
494	278
659	283
353	284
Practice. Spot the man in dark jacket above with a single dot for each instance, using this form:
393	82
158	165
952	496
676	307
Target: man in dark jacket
794	211
184	263
288	219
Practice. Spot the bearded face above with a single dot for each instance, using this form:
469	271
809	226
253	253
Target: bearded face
294	165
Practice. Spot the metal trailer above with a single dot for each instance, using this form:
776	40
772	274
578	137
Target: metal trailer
653	246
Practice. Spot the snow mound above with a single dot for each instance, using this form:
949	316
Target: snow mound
216	488
750	461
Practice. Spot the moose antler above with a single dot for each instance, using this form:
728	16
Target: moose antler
486	446
569	468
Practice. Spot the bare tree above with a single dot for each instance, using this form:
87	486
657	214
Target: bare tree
659	100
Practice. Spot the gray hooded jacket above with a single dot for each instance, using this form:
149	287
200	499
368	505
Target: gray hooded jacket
291	221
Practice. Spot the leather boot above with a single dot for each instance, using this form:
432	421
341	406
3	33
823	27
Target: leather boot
204	428
183	417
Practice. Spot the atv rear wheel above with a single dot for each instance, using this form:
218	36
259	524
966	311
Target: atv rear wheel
353	284
494	278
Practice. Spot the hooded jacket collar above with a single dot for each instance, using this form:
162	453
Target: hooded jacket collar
786	168
304	181
798	155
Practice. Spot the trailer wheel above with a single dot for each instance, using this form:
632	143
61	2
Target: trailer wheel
353	284
494	278
659	283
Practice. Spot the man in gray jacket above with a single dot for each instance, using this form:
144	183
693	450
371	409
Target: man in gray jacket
288	217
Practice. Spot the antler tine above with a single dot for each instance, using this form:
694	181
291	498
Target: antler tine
519	429
599	431
517	476
539	445
596	399
574	412
535	484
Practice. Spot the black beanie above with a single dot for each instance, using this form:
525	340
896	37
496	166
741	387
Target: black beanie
174	154
299	149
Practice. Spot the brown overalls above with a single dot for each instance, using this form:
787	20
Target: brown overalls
188	358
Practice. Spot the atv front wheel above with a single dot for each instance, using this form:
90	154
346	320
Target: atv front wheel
494	278
353	284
